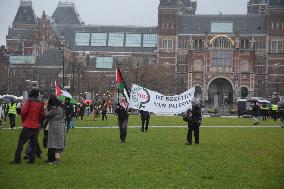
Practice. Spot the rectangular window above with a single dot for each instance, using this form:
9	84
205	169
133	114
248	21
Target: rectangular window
221	58
133	40
22	59
277	46
104	62
167	45
116	39
82	39
99	39
150	40
221	27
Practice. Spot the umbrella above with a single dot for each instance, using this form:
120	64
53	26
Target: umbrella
87	101
264	101
252	100
72	100
8	98
258	100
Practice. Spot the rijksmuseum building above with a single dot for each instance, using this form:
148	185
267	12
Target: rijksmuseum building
229	56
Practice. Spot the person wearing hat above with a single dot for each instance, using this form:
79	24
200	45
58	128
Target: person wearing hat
31	115
193	117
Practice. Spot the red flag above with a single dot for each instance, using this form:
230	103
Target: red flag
118	76
121	86
60	91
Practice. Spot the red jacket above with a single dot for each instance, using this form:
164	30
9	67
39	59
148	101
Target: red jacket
32	113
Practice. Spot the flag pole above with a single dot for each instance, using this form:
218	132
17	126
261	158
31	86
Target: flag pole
117	89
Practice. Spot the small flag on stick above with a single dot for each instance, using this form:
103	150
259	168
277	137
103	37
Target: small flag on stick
60	91
121	86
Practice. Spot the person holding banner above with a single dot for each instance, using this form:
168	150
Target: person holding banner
193	117
122	114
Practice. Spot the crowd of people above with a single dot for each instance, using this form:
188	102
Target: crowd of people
274	111
56	118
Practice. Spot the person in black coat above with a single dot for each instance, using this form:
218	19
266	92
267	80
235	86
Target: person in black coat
104	110
193	117
82	110
255	112
145	116
68	111
122	114
281	114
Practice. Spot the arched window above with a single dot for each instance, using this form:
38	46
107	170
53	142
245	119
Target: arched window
221	42
200	45
247	44
196	44
221	51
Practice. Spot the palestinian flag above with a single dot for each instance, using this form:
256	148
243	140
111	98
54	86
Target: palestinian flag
121	86
60	91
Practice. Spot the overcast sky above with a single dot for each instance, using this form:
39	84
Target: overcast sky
114	12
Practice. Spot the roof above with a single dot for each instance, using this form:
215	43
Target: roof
66	14
69	33
201	24
51	57
25	14
19	33
276	3
173	3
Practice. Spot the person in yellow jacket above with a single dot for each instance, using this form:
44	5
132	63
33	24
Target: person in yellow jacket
12	112
274	111
264	111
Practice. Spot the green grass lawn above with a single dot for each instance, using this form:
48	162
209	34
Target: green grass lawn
134	120
94	158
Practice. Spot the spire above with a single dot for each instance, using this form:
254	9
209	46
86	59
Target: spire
25	14
66	14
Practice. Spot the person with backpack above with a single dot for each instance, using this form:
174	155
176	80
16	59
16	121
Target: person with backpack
193	117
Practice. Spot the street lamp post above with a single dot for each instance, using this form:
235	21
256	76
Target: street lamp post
62	49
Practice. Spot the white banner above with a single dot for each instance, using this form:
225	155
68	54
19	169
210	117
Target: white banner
151	101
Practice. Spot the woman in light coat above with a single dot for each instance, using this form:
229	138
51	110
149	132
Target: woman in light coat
56	130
